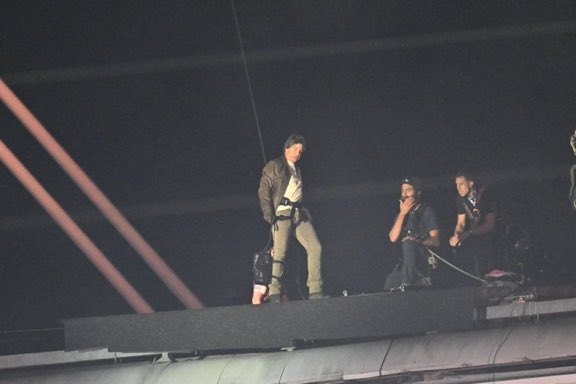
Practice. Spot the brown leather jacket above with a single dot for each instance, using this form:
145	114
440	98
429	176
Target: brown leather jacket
273	184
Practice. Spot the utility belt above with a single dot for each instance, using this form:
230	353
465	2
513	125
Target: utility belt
287	201
293	205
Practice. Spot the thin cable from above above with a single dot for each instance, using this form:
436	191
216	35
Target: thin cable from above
247	73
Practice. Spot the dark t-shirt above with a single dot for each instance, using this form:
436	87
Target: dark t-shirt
476	213
420	222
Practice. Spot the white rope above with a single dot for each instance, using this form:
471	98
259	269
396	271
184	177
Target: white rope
455	267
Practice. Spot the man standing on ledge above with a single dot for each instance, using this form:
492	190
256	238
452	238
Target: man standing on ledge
416	227
475	225
280	194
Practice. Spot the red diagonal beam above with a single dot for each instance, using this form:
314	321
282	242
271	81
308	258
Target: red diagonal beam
73	231
98	198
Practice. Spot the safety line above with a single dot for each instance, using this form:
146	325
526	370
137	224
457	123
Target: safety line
434	254
247	73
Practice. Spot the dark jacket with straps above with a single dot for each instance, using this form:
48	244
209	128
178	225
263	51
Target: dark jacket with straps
273	184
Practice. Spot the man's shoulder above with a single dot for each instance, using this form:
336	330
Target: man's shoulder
460	199
429	219
489	200
275	164
428	210
461	202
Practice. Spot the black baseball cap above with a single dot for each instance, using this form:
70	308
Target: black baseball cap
413	181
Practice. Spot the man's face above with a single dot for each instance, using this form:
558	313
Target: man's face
463	186
294	152
407	191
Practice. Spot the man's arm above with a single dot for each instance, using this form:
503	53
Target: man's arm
265	194
433	239
458	229
431	228
486	227
394	234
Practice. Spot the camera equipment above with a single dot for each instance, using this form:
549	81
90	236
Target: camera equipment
262	267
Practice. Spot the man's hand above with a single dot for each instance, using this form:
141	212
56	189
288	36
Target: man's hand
271	220
410	238
458	238
454	241
407	205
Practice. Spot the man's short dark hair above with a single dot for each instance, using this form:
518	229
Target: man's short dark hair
295	139
465	174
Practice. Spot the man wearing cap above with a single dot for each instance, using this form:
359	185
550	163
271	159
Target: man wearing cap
280	194
416	228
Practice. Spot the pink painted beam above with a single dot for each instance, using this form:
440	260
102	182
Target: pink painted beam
150	256
73	231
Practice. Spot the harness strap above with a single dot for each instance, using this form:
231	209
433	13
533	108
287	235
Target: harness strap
278	262
294	205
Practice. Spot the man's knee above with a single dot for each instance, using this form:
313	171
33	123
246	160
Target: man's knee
279	253
316	248
312	247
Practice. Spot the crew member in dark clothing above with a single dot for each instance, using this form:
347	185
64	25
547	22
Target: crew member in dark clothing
473	238
416	228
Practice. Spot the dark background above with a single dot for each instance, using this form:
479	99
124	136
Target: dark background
151	99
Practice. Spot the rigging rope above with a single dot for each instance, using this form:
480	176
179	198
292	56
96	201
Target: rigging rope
247	73
434	254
